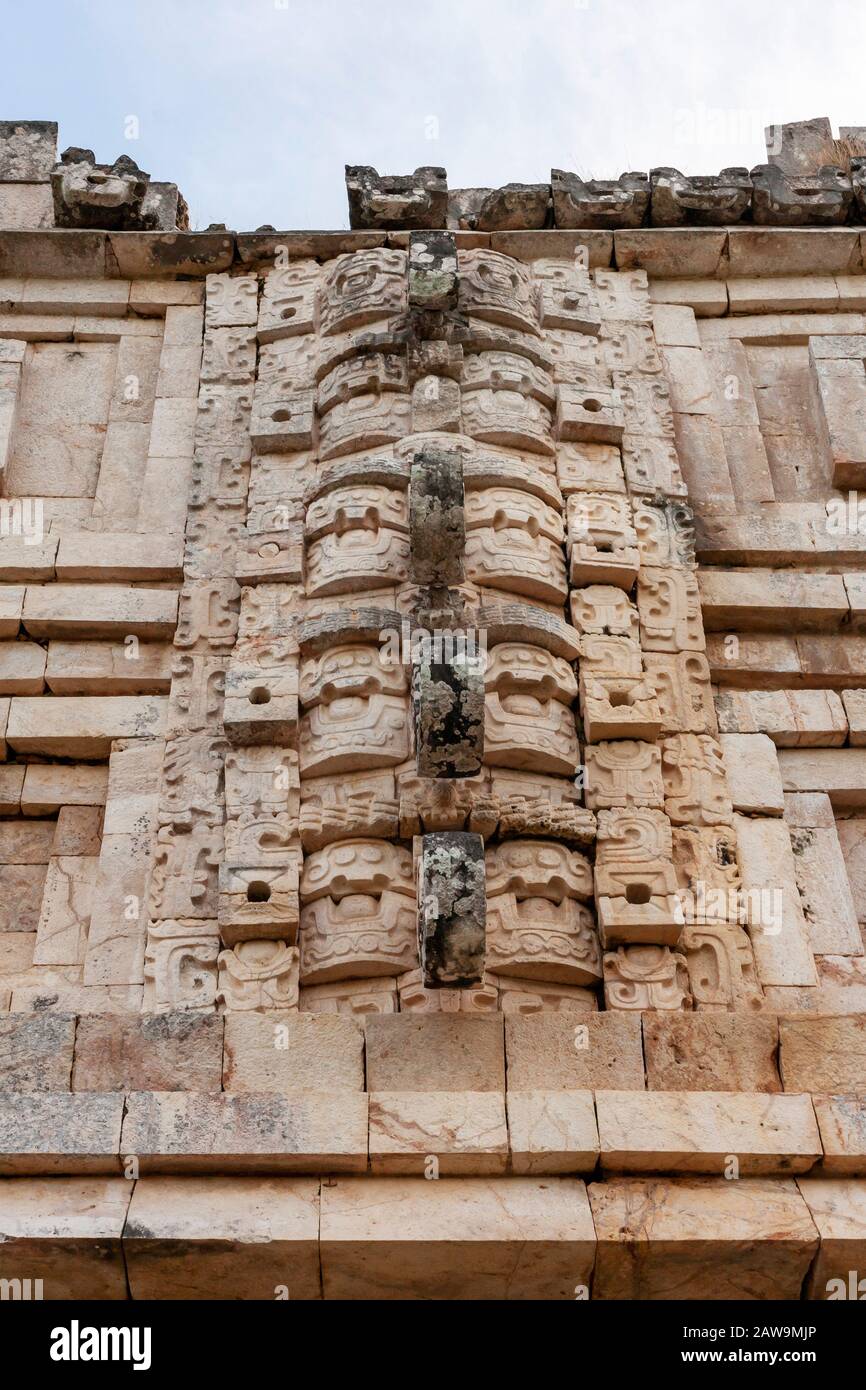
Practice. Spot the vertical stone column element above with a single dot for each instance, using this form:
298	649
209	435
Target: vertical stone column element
432	270
452	909
448	708
437	520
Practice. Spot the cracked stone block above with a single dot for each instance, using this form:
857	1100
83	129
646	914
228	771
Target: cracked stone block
452	909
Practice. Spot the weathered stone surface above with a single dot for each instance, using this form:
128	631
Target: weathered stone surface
436	517
461	1131
823	1054
451	909
838	1208
36	1051
183	1131
65	1232
752	770
711	1052
842	1123
449	710
432	271
554	1052
186	1237
700	1238
150	1052
457	1052
289	1054
57	1132
463	1238
552	1131
396	200
618	202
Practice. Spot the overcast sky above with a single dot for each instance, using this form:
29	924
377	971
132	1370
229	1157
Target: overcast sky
254	106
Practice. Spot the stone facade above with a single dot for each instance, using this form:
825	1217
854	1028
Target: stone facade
432	724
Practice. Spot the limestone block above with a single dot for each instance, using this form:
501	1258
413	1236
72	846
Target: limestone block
11	608
552	1131
36	1051
823	1054
183	1131
259	902
778	928
463	1132
11	786
180	965
538	925
104	668
602	543
118	558
556	1052
839	772
710	1052
822	878
670	611
179	1051
707	1238
26	842
696	790
682	685
752	771
57	1132
854	702
619	707
66	1234
264	1240
644	976
353	734
61	936
288	1054
836	1206
698	1132
22	887
457	1052
359	915
465	1238
593	415
259	975
25	560
73	610
79	831
625	772
791	718
47	787
22	668
82	726
842	1123
762	600
588	467
436	518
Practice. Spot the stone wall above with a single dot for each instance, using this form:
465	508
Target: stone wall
432	703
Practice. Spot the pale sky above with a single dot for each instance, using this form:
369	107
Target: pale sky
254	106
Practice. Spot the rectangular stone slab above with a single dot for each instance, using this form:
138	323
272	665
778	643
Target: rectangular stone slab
66	1232
842	1123
99	610
436	1132
823	1054
448	1052
56	1132
458	1238
72	726
838	1209
36	1051
192	1132
195	1238
292	1052
700	1238
552	1131
179	1051
555	1052
700	1131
